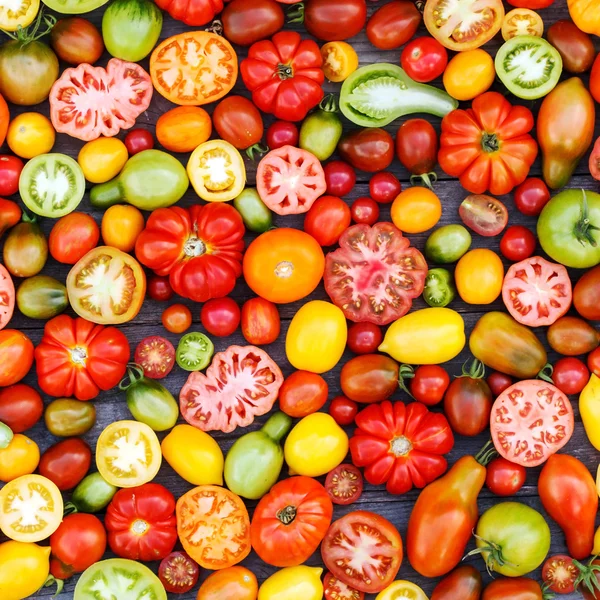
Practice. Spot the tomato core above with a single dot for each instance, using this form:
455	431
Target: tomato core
140	527
400	446
284	269
194	247
285	71
490	142
287	515
78	355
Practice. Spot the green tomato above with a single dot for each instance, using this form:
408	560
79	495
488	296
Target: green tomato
66	417
321	130
254	462
42	297
513	538
255	214
439	287
569	228
194	351
74	7
6	435
92	494
447	244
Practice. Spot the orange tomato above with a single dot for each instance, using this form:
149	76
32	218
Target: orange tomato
283	265
16	356
121	226
234	583
20	457
4	119
184	128
177	318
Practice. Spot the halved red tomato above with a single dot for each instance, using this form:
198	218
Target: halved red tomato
363	550
344	484
483	214
7	297
289	180
463	24
375	273
559	574
194	68
537	292
530	421
335	589
87	102
106	286
156	355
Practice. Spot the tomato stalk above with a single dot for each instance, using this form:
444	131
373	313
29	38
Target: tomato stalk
256	150
215	27
486	454
475	371
26	35
296	13
427	179
583	227
546	373
587	576
405	372
493	557
50	581
490	142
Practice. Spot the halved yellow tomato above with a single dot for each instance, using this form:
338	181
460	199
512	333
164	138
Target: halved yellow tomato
17	13
128	454
522	21
106	286
31	508
217	172
402	590
339	60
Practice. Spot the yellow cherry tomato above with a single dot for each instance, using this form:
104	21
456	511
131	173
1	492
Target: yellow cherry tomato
317	336
293	583
469	74
23	569
102	159
479	275
596	548
339	60
194	455
522	21
416	209
425	337
589	409
20	457
402	590
121	226
315	446
30	134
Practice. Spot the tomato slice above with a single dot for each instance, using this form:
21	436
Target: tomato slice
483	214
178	572
530	421
7	297
213	526
74	7
194	351
335	589
537	292
339	60
403	589
156	355
289	180
559	574
522	21
31	508
128	454
106	286
344	484
21	13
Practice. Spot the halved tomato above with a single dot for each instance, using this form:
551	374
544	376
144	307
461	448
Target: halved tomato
31	508
335	589
537	292
483	214
522	21
21	13
194	68
128	454
289	180
106	286
463	24
7	297
156	355
213	526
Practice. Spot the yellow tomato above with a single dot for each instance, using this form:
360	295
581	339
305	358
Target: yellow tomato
479	275
102	159
589	409
400	590
522	21
20	457
121	226
23	569
416	209
184	128
586	15
315	446
293	583
469	74
194	455
19	13
30	134
317	336
339	60
425	337
596	548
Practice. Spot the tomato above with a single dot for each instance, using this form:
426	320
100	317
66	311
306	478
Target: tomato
156	356
367	535
518	588
159	288
518	243
572	336
79	542
498	382
588	587
18	16
121	226
339	61
220	316
332	20
479	275
192	12
194	351
183	129
369	378
424	59
343	410
416	210
102	159
586	15
336	589
393	24
584	294
283	265
344	484
407	589
260	322
178	572
72	237
469	74
522	21
340	178
4	119
10	212
369	149
20	457
30	134
575	47
364	338
593	363
7	297
428	384
238	121
66	417
177	318
287	583
594	162
533	4
138	140
76	40
383	187
10	170
416	148
248	21
233	583
559	574
24	568
531	196
512	434
302	393
327	219
16	356
464	582
66	463
595	80
504	478
21	407
282	133
570	375
365	211
25	248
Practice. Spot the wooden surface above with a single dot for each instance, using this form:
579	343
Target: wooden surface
111	405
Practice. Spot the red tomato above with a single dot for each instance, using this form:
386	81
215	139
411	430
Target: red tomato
517	243
156	355
10	213
483	214
10	171
429	384
393	24
290	521
159	288
559	574
21	407
178	572
368	149
260	321
248	21
532	4
343	410
334	20
369	378
344	484
76	40
570	375
336	589
505	478
282	133
517	409
327	219
594	82
531	196
365	210
498	382
364	338
7	294
515	588
237	120
364	550
384	187
593	362
594	162
424	59
340	178
221	316
138	140
66	463
177	318
72	237
575	47
16	357
192	12
416	148
302	393
537	292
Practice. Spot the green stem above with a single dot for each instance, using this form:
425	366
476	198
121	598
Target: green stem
486	454
426	179
546	373
69	509
50	581
587	576
26	35
490	142
135	373
405	372
296	13
329	104
584	228
476	370
256	150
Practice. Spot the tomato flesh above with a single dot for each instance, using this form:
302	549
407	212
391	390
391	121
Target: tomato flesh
483	214
156	355
559	574
178	572
336	589
344	484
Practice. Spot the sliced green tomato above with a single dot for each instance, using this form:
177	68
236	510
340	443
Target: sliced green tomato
74	7
528	66
52	185
119	579
194	351
439	287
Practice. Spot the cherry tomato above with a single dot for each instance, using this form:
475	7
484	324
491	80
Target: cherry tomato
384	187
327	219
344	484
282	133
178	572
498	382
559	574
177	318
517	243
424	59
159	288
10	171
504	478
531	196
302	393
340	178
343	410
364	338
156	355
66	463
593	362
365	210
570	375
137	140
21	407
336	589
429	384
221	316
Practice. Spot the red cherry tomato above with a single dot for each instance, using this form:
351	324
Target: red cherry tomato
344	484
593	361
221	316
517	243
302	393
365	210
178	572
560	574
424	59
343	410
364	338
504	478
282	133
10	171
384	187
327	219
570	375
498	382
340	178
531	196
137	140
159	288
429	384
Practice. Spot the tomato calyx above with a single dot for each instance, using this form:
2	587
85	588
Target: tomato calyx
587	576
486	454
584	228
490	142
546	373
51	580
287	514
296	13
426	179
135	373
27	35
405	372
78	355
215	27
284	71
400	446
492	555
476	370
255	151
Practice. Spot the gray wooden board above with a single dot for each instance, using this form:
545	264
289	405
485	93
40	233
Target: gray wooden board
111	405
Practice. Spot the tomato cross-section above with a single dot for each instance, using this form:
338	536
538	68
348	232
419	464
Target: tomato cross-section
7	297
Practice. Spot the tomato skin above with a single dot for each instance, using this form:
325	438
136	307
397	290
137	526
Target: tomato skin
593	362
334	20
76	40
192	12
66	463
10	171
365	210
498	382
468	404
585	294
327	219
429	384
424	59
248	21
416	147
570	375
238	121
233	583
220	316
343	410
364	338
518	588
531	196
21	407
20	457
138	140
302	393
183	129
572	336
369	378
505	478
517	243
10	213
531	4
574	46
282	133
393	24
16	356
384	187
479	276
178	572
340	178
72	237
464	582
594	80
369	149
260	321
159	288
469	74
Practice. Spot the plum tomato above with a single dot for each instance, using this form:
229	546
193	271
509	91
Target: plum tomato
570	375
156	355
260	321
531	196
177	318
343	410
76	40
327	219
498	382
384	187
368	149
560	574
66	463
364	337
159	288
365	210
340	178
332	20
178	572
517	243
429	384
424	59
72	237
302	393
504	478
221	316
282	133
138	140
344	484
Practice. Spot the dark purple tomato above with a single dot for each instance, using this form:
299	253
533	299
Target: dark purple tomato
369	149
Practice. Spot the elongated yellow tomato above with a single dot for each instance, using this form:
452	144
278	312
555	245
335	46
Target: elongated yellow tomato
315	446
479	275
316	337
469	74
293	583
102	159
402	590
194	455
586	15
425	337
23	569
416	209
589	408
